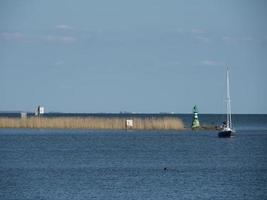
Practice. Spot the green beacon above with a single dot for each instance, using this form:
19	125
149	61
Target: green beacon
195	122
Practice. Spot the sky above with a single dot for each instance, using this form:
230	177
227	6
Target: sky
143	56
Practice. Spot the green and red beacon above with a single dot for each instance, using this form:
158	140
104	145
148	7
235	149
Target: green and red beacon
195	122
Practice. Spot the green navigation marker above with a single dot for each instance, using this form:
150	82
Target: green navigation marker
195	122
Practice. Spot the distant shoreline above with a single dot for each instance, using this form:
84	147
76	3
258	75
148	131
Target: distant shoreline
90	122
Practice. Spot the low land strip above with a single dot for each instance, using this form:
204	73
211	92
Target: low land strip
138	123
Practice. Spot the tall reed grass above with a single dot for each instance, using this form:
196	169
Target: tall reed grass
153	123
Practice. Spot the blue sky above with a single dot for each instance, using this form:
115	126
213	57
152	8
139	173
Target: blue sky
136	56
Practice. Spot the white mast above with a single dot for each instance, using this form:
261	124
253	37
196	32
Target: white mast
228	101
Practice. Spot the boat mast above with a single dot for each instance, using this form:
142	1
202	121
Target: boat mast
228	101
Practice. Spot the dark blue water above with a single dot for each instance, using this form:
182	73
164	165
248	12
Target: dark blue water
85	164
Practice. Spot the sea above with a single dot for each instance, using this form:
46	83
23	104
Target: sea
74	164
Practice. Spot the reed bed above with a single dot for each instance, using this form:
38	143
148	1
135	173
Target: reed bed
153	123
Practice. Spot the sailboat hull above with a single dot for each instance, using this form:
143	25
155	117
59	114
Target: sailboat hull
225	134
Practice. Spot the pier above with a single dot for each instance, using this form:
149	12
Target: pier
138	123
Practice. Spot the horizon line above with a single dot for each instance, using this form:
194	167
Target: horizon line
125	113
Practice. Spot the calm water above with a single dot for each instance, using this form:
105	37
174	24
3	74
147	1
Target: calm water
83	164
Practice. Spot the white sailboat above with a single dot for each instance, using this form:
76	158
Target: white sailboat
226	129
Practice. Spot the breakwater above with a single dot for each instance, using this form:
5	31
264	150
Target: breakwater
136	123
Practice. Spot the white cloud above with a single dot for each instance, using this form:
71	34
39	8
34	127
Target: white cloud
212	63
59	39
12	35
203	38
247	38
67	39
226	38
64	27
198	31
200	35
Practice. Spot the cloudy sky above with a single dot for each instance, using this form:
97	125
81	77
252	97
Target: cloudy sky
137	56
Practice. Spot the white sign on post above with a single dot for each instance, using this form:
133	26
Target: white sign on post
129	123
